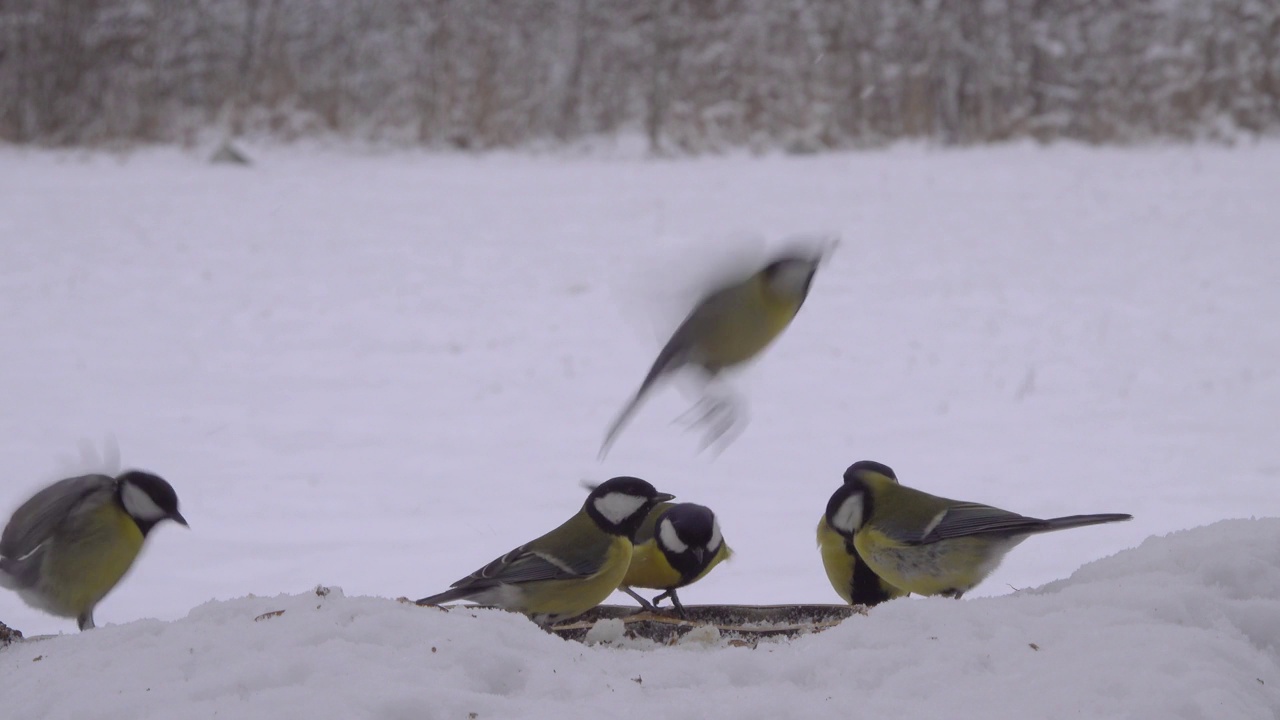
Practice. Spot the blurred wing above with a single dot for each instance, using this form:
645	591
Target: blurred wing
712	310
677	353
39	517
524	565
964	519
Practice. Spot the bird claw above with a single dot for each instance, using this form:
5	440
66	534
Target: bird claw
722	433
706	406
675	602
720	416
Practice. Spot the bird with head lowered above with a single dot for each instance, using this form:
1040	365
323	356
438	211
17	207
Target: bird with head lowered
931	545
852	579
678	544
570	569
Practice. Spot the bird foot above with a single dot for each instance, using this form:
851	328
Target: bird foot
645	605
721	417
675	603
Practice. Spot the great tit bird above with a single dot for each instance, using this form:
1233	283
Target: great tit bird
71	543
677	545
849	575
571	569
931	545
727	328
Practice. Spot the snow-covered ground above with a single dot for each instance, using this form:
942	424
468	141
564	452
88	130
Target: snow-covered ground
379	372
1186	626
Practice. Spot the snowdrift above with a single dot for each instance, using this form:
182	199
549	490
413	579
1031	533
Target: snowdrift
1184	626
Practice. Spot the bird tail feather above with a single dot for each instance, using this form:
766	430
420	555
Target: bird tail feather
444	597
1074	521
667	360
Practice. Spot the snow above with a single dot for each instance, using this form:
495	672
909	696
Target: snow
379	372
1184	626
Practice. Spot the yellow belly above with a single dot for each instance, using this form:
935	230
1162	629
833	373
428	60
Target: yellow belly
853	579
730	343
649	569
836	561
76	575
563	599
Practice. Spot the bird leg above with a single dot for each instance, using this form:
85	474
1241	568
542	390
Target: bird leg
675	601
724	429
644	604
705	406
723	418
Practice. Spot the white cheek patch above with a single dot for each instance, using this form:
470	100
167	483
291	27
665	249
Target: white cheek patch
670	538
616	506
849	517
714	545
139	504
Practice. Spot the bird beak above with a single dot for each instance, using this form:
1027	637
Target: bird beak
663	497
177	517
699	553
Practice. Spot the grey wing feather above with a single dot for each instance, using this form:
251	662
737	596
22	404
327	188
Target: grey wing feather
531	562
524	565
712	310
964	519
38	518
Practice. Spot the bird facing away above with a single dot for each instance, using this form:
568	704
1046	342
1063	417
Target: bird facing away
71	543
930	545
678	544
571	569
725	329
853	581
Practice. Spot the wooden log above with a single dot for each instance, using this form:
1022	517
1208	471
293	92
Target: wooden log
741	624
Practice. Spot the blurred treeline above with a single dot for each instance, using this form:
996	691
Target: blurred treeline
690	75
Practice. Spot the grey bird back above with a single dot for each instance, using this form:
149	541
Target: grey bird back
38	518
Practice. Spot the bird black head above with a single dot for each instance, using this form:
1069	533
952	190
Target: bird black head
148	499
620	505
689	536
858	469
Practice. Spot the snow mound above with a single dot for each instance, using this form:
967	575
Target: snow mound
1184	626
